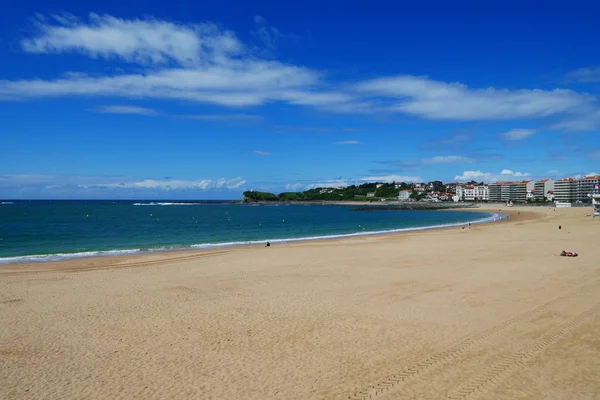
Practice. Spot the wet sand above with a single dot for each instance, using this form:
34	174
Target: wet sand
490	311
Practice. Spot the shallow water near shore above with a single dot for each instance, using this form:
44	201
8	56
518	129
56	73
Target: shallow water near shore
55	230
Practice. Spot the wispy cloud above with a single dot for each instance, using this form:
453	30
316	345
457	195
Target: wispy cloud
447	160
310	129
348	142
391	178
262	152
115	182
126	110
585	75
206	63
487	177
293	187
268	35
147	41
168	185
431	99
581	176
594	154
225	117
588	121
330	183
518	134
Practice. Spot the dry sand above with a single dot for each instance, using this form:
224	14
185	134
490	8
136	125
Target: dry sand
491	312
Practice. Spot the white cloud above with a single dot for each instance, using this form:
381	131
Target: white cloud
261	152
268	35
487	177
259	20
237	84
553	171
114	182
446	160
225	117
206	63
167	185
478	176
348	142
581	176
587	121
126	110
147	41
329	183
518	134
391	178
587	75
431	99
293	187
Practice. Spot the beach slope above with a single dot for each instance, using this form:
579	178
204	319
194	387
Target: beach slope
490	312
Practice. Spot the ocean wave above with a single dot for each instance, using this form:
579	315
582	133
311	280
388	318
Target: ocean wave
492	218
165	204
66	256
6	202
205	246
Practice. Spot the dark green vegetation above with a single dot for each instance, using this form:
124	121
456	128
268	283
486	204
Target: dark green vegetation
366	191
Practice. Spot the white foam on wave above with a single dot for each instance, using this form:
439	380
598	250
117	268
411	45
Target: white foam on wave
165	204
66	256
492	218
6	202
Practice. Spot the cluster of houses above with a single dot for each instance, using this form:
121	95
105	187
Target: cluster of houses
563	191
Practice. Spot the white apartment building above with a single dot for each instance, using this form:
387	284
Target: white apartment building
495	192
513	191
404	195
520	190
585	187
472	192
565	190
478	193
543	189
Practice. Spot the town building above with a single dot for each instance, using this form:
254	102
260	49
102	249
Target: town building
542	189
404	195
495	192
451	187
519	190
510	191
585	187
565	190
596	200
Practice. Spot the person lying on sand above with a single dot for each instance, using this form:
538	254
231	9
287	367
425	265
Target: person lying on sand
568	254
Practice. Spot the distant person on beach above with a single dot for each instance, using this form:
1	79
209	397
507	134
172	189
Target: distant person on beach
268	244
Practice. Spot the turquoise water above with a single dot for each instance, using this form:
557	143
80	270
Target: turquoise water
52	230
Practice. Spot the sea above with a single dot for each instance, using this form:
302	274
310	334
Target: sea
36	230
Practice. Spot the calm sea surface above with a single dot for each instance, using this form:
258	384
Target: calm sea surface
52	230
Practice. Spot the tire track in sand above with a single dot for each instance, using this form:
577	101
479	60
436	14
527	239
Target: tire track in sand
504	368
437	360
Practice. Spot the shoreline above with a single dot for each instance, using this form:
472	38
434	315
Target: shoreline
328	319
132	256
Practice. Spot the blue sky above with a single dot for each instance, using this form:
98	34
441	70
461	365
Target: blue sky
203	100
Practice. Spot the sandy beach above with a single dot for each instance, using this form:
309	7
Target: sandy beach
487	312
